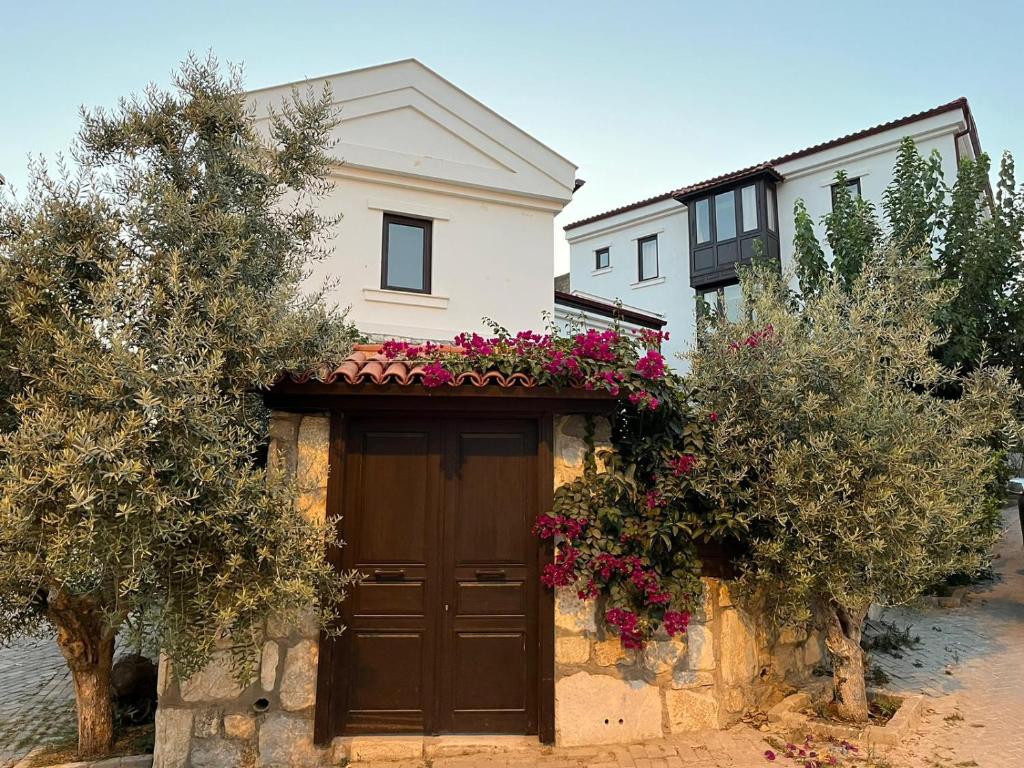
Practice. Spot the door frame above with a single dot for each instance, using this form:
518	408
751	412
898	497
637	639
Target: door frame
328	705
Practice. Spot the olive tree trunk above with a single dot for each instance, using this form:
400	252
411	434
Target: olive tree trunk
843	628
87	642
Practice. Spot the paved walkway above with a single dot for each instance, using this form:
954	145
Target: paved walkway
970	662
36	698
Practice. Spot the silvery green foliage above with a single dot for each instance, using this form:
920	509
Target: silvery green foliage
144	297
863	485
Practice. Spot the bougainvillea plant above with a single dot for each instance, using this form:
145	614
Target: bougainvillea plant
624	531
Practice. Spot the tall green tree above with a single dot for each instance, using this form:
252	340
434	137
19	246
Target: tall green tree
859	483
914	200
144	298
852	231
811	267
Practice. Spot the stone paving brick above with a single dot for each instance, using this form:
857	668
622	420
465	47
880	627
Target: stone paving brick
36	698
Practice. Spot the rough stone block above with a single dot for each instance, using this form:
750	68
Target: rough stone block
206	723
572	650
239	726
287	740
313	449
574	614
268	665
298	683
609	652
369	749
214	682
700	643
664	655
600	709
691	711
163	675
692	679
173	737
705	611
724	595
216	753
737	648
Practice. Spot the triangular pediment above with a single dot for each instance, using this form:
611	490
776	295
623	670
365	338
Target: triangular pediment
403	118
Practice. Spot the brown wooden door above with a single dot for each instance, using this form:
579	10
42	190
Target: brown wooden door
442	635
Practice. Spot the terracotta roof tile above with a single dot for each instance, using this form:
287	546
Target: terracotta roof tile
960	103
367	365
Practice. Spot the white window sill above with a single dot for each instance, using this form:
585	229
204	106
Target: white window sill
428	300
601	271
646	283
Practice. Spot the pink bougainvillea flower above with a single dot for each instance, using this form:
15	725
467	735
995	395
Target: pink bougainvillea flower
713	416
675	622
683	465
435	374
651	365
769	755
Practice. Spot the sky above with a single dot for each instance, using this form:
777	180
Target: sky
643	96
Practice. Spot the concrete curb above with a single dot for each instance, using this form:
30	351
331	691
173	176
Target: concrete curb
788	719
123	761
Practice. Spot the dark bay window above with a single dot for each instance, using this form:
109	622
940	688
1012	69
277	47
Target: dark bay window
729	224
647	258
602	258
405	259
853	185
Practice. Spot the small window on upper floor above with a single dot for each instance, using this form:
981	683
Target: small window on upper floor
851	184
702	213
647	258
725	216
769	191
406	254
602	258
748	203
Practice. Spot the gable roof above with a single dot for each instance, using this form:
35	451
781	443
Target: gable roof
770	165
403	117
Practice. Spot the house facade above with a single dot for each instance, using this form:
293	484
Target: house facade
662	254
447	208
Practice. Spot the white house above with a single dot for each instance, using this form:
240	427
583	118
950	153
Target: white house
447	207
658	255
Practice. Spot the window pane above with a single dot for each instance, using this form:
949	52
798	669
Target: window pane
648	259
770	200
732	298
703	214
710	298
405	257
602	258
725	216
748	196
854	186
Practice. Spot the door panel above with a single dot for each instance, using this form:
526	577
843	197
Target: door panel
488	651
390	521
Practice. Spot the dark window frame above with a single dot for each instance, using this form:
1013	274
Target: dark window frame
607	252
737	224
719	290
855	181
427	225
640	259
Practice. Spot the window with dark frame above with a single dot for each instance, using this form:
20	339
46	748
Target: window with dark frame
851	184
602	258
406	253
647	258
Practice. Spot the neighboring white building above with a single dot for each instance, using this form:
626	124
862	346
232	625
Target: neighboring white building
658	255
448	208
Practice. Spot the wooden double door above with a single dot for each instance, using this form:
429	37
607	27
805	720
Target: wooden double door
442	635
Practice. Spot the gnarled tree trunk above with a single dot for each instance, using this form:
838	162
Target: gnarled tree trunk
843	627
87	643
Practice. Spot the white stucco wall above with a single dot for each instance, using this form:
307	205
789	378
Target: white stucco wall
410	142
669	295
871	158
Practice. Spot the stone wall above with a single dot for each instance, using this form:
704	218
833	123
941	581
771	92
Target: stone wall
212	721
724	664
727	662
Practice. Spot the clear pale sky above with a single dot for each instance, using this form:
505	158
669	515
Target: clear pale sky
642	96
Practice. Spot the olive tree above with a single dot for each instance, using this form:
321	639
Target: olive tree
146	293
862	485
